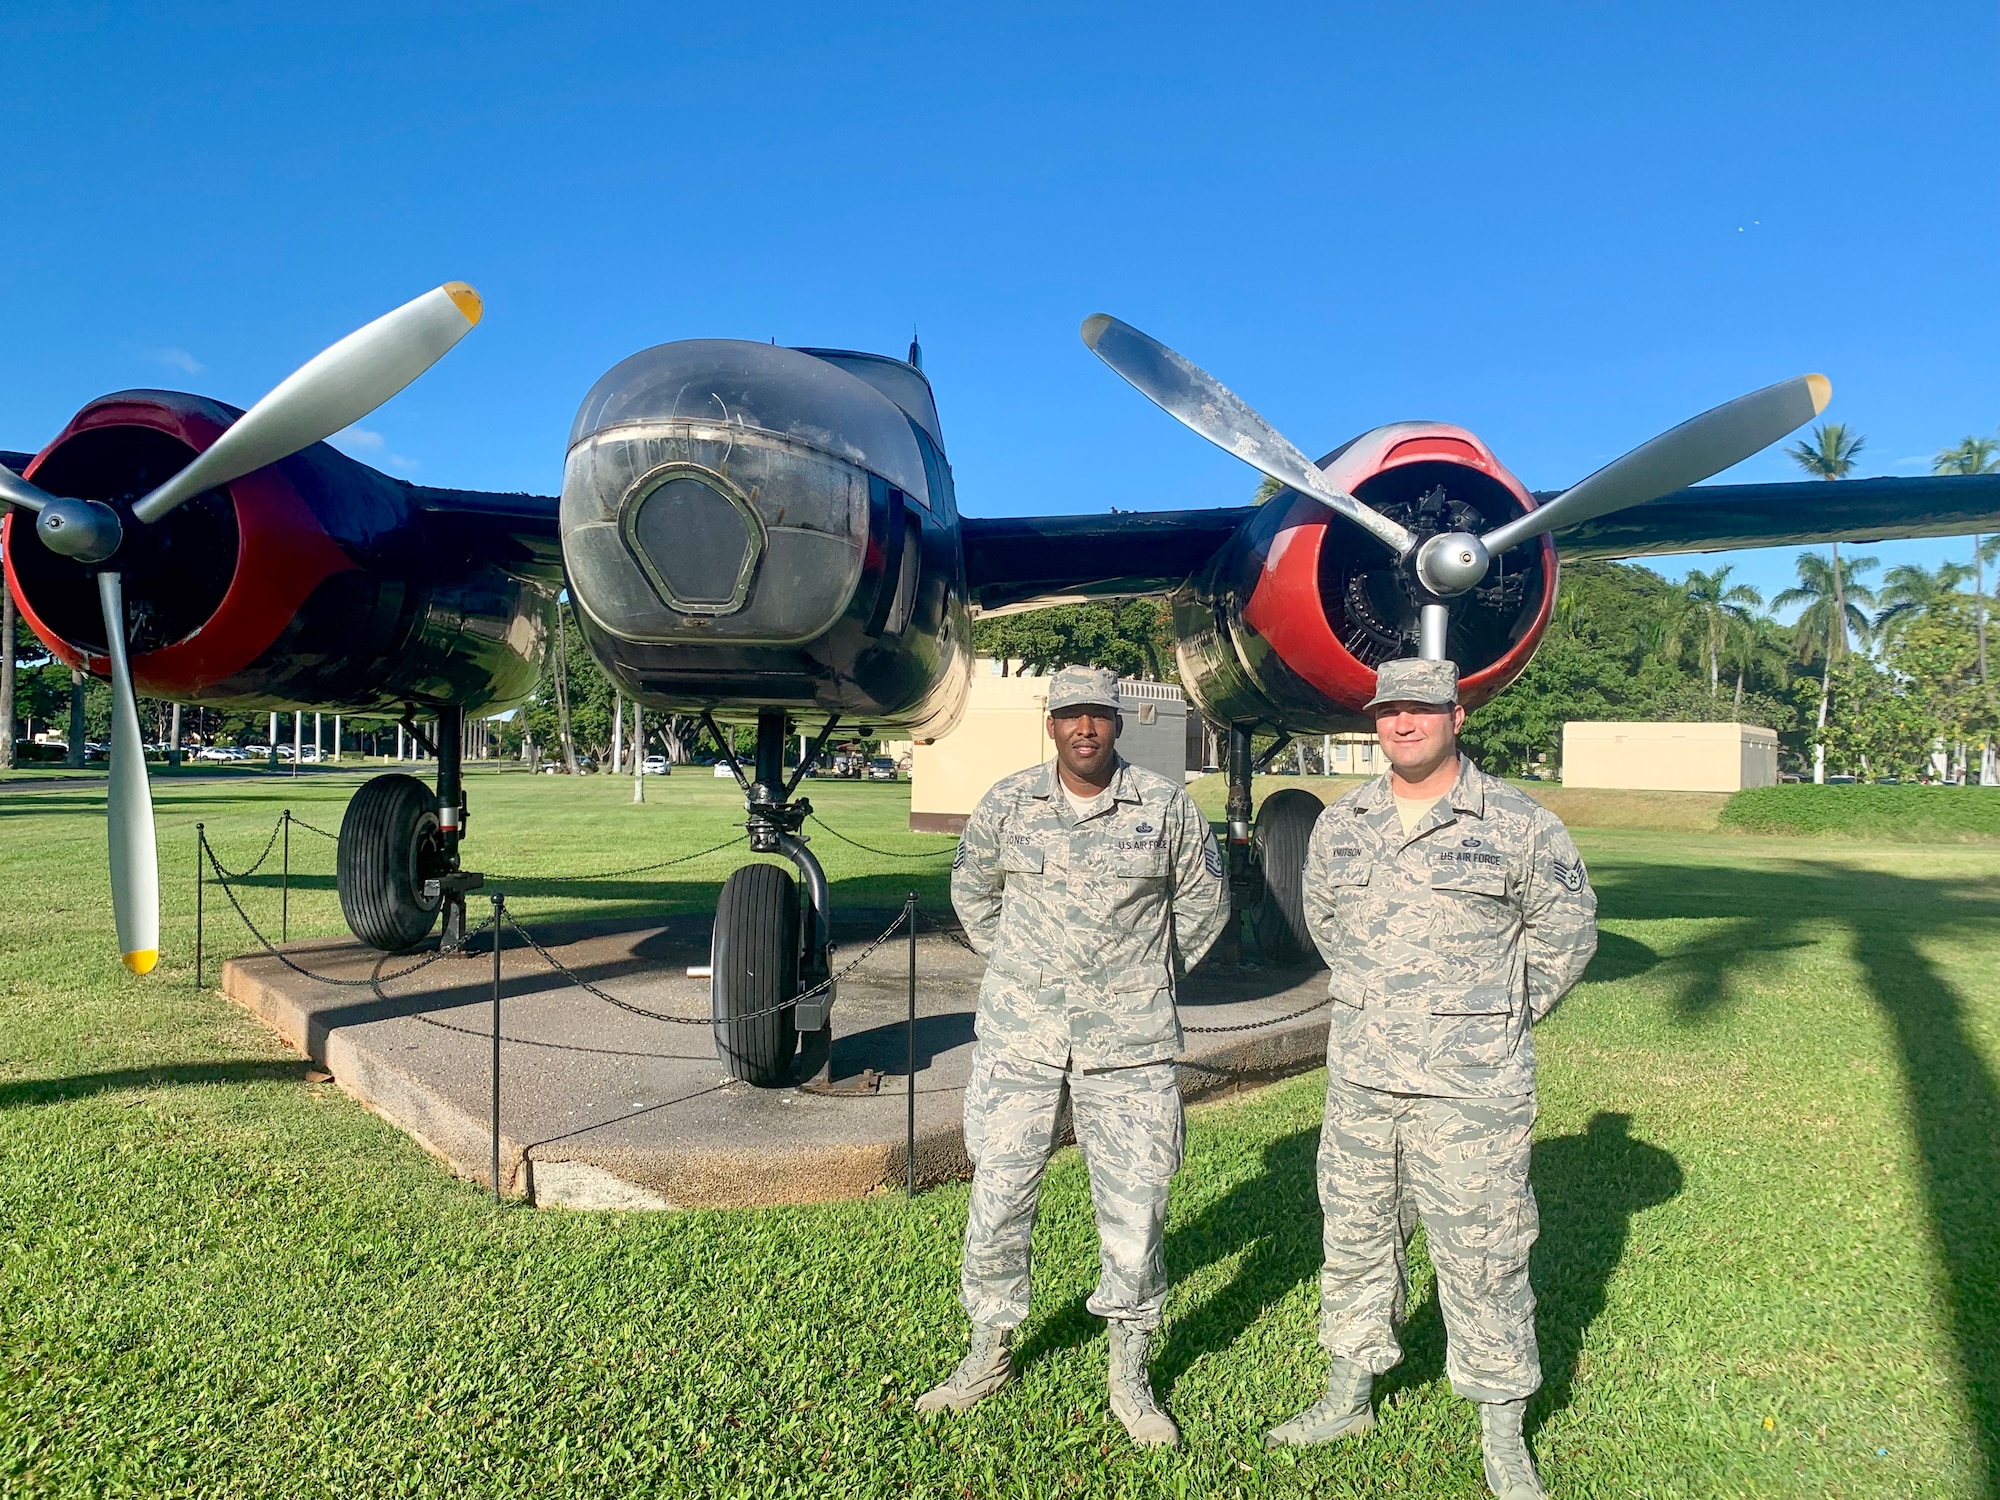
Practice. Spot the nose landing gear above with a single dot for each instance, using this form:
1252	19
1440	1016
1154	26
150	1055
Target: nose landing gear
767	950
399	850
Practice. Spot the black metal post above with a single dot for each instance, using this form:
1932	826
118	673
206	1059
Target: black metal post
200	886
1237	813
499	922
910	1088
285	895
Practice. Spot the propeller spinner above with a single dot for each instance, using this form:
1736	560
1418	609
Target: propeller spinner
334	389
1452	564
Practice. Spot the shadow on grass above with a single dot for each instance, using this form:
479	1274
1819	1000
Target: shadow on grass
32	1091
1953	1095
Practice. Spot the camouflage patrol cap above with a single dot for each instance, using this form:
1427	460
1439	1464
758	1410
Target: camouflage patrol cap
1074	687
1434	683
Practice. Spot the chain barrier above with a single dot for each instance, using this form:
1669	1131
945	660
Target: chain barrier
1320	1004
948	931
269	844
653	1015
374	979
665	864
871	849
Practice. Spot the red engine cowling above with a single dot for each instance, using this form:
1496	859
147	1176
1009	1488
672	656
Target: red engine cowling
1289	621
313	581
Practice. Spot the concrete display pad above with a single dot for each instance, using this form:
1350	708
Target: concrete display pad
603	1108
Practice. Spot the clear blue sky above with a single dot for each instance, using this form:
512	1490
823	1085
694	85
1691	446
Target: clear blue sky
1565	226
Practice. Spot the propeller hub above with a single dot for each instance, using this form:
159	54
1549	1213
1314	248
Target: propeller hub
1451	563
86	530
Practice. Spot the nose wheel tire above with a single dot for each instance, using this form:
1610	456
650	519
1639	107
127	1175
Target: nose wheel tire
390	847
1278	920
754	974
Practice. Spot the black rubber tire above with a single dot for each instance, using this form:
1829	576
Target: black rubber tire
754	967
1284	825
389	846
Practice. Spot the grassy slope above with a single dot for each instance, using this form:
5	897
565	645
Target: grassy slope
1768	1167
1924	814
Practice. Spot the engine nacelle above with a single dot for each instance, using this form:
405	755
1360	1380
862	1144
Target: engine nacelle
313	581
749	527
1289	620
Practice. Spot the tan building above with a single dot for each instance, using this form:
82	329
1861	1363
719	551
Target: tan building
1669	757
1005	729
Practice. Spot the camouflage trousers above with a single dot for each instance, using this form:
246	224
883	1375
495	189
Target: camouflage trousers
1461	1165
1130	1126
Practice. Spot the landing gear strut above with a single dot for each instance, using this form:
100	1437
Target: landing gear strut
767	949
1266	860
399	850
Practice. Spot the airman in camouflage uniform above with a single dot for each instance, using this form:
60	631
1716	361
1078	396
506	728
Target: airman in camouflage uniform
1084	916
1446	940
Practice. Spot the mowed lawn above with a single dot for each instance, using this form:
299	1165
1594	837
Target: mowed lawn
1768	1164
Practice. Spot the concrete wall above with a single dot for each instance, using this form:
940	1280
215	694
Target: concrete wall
1669	757
1004	730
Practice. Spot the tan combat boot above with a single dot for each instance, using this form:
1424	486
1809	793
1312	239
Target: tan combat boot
982	1372
1510	1468
1342	1412
1132	1400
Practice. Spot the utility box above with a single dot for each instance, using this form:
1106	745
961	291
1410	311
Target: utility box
1004	729
1653	757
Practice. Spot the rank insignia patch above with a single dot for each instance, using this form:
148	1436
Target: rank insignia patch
1570	876
1211	858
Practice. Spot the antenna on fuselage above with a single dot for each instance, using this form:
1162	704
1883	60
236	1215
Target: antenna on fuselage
916	349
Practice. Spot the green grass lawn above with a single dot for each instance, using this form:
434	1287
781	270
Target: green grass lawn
1768	1163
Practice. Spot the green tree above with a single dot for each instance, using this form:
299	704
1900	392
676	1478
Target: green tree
1133	637
1717	612
1912	592
1829	593
1975	455
1831	455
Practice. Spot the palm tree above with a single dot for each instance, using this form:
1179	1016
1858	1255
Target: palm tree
1975	455
1831	455
1759	649
1910	591
1829	592
1716	610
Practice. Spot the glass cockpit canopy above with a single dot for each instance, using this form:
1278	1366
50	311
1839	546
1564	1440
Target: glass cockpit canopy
763	387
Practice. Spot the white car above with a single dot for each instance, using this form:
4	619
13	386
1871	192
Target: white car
656	765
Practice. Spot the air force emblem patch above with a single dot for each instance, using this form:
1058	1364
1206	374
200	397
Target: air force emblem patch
1211	857
1569	876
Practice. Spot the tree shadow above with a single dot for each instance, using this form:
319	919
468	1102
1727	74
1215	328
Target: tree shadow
17	1093
1950	1086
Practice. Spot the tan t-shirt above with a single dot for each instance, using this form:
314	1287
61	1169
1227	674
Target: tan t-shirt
1083	806
1412	809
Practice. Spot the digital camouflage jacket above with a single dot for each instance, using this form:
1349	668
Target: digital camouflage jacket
1079	922
1446	946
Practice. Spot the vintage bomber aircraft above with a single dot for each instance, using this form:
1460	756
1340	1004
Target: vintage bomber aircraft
770	536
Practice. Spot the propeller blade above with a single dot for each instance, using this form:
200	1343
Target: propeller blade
128	805
1189	393
1699	448
336	387
14	490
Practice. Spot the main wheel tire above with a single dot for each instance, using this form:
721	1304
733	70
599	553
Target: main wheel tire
390	846
1284	825
754	973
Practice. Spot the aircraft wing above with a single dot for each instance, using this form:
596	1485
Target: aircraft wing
1029	562
1723	517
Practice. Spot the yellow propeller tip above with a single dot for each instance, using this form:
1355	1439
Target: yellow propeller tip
466	300
143	961
1822	392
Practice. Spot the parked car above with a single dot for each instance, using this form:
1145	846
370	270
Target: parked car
1840	781
881	768
722	770
656	765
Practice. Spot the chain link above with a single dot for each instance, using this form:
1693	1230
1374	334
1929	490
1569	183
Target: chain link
269	844
372	981
665	864
299	822
871	849
1260	1025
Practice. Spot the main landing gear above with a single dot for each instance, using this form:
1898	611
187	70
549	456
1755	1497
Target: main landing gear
399	850
1267	860
769	951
